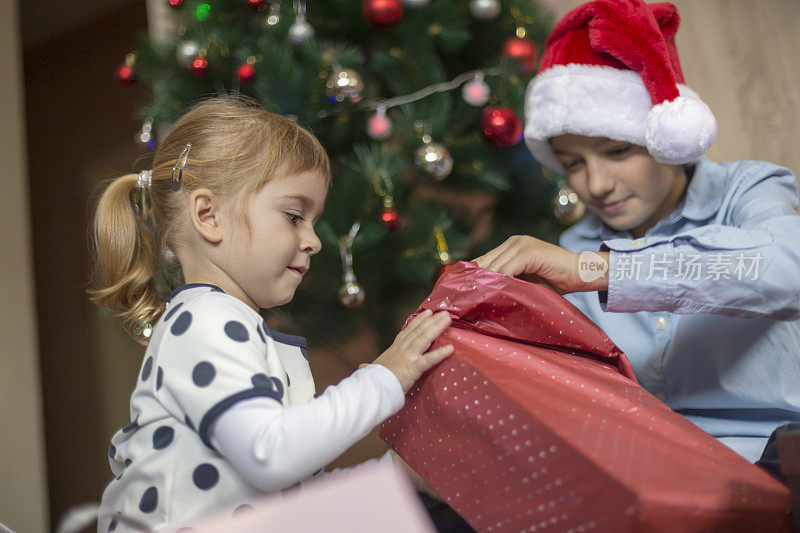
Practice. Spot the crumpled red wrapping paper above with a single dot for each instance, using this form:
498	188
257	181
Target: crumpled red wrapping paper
536	423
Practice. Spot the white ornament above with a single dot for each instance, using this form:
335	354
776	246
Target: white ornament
186	53
434	158
416	4
300	31
379	126
476	92
484	9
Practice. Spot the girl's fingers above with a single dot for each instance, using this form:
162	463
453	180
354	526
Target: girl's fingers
415	323
434	357
421	338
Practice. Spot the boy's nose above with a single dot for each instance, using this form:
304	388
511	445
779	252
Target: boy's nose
598	180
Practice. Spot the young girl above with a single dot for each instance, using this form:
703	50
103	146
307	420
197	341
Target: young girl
224	409
694	262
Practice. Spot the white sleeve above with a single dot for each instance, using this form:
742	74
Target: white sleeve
274	447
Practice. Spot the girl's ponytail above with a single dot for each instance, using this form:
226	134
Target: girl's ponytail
126	255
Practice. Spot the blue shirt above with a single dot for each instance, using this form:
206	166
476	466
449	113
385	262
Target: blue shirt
707	305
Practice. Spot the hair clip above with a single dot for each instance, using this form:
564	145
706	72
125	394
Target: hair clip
145	179
177	170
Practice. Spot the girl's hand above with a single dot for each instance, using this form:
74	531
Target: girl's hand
408	357
541	262
419	484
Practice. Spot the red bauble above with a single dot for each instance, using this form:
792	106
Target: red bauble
382	13
246	73
125	75
523	51
199	66
175	3
390	218
258	5
501	126
442	269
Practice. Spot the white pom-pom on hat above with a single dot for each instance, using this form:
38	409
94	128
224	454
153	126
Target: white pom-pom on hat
679	131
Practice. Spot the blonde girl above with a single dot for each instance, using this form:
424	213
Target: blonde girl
224	408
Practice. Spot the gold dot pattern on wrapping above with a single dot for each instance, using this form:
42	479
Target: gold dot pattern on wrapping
524	438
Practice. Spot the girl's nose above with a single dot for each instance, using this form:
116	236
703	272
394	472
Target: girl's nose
311	243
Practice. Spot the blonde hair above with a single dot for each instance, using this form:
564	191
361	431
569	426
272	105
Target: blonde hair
236	148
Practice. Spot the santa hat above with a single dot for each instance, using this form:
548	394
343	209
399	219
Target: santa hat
610	69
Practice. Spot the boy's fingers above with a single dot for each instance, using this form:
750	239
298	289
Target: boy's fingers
486	260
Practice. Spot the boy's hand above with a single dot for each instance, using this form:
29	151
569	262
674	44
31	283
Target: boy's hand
408	357
541	262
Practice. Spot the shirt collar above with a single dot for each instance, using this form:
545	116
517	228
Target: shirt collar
702	200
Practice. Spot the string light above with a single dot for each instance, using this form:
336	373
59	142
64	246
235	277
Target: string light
451	85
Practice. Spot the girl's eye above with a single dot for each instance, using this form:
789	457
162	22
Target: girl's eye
570	165
294	218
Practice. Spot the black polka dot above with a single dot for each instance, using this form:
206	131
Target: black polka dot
128	462
159	378
261	381
181	323
288	381
278	386
260	335
242	509
147	368
130	427
162	437
188	422
172	311
203	373
236	331
205	476
113	525
112	450
149	500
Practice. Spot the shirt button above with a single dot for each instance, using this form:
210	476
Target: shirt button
661	396
638	243
661	322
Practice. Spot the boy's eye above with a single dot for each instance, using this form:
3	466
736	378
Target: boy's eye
570	165
620	150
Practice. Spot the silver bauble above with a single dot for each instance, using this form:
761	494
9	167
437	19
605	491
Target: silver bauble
345	84
351	294
567	207
485	10
434	159
300	31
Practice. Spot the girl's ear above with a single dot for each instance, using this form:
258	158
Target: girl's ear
205	214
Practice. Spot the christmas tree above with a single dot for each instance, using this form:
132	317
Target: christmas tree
419	105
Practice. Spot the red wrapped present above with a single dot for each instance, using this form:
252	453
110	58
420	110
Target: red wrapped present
537	423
